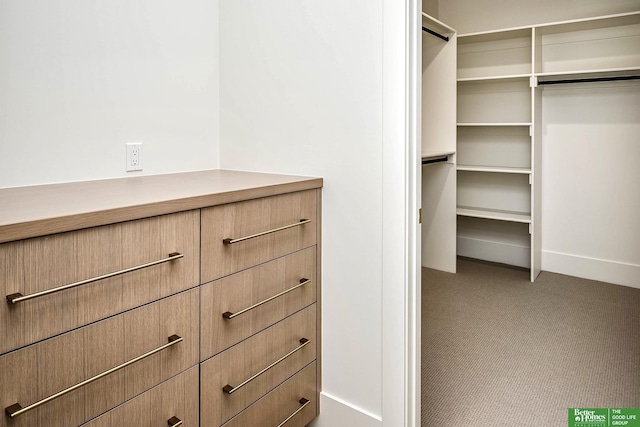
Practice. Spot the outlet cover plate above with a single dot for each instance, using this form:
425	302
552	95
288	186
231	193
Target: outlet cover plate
134	156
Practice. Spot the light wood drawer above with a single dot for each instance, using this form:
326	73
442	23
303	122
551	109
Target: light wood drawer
164	405
243	290
34	265
238	376
42	370
243	219
281	403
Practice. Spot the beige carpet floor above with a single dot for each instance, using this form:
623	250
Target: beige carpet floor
498	350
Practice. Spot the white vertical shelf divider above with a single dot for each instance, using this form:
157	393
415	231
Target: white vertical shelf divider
536	159
438	135
500	84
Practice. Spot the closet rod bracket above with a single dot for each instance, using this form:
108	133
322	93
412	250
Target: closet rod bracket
433	33
435	160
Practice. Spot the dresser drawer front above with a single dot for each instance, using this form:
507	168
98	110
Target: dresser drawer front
235	378
174	400
283	402
39	371
236	221
33	266
250	287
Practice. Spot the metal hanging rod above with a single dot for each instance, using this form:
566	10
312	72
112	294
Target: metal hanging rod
435	160
433	33
589	80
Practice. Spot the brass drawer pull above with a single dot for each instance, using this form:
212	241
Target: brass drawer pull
17	409
228	389
228	315
18	297
229	241
304	402
174	422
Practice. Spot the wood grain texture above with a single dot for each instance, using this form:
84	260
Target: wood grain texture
240	362
149	327
43	369
248	218
181	399
142	328
46	209
63	368
276	406
176	397
241	290
103	345
19	379
42	263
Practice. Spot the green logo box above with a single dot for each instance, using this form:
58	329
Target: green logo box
604	417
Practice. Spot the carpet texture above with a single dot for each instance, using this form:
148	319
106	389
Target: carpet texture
498	350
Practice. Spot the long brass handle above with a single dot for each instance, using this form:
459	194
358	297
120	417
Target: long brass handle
18	297
17	409
230	389
304	402
228	315
174	422
229	241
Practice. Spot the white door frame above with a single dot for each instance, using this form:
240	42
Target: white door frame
401	293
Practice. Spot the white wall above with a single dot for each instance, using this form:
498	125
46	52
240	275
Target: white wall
468	16
430	7
591	199
302	92
79	79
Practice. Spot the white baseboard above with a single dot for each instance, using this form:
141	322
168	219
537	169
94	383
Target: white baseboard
592	268
494	251
335	412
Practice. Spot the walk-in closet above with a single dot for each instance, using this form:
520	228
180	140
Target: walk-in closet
529	196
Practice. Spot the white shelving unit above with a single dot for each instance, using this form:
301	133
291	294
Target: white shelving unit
438	135
500	77
495	147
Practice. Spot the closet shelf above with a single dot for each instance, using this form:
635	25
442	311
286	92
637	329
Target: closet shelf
494	169
505	77
494	35
495	124
496	214
585	24
436	25
428	155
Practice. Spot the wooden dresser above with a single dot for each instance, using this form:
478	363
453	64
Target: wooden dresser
184	299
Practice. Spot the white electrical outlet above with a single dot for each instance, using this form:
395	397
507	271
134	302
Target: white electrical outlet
134	156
